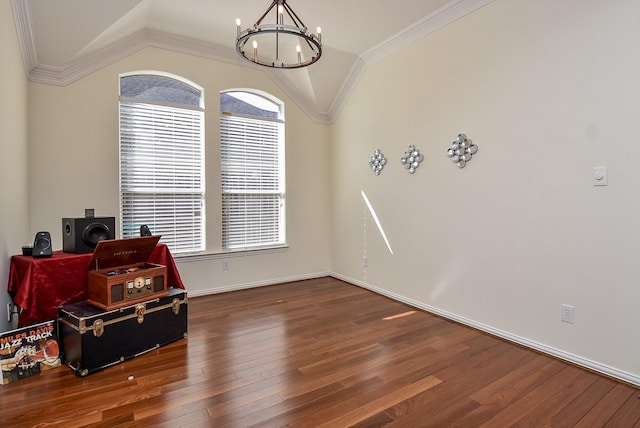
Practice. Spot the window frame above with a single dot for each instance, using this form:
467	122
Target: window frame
234	243
166	197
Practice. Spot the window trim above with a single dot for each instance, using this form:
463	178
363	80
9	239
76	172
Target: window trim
281	153
199	192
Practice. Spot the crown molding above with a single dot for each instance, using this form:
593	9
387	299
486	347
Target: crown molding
349	84
86	64
190	46
447	14
90	63
302	101
440	18
22	17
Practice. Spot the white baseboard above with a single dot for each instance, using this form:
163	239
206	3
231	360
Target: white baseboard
558	353
257	284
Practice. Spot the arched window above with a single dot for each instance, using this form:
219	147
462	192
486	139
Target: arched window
162	159
252	161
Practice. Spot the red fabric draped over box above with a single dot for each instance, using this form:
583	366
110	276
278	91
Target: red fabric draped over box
40	285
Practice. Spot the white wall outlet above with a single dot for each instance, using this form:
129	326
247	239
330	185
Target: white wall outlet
568	314
225	264
600	176
9	309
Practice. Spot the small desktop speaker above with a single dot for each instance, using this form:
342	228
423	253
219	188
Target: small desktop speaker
42	245
81	235
144	230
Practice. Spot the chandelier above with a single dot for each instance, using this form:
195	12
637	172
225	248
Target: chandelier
278	44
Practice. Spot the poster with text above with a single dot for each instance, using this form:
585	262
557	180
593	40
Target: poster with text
28	350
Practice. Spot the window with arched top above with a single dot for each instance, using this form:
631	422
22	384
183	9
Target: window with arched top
252	170
162	159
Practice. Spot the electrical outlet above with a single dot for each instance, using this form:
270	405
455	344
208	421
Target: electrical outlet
600	176
567	314
9	309
365	261
225	264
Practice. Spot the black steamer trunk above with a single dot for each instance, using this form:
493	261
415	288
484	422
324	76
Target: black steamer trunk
93	339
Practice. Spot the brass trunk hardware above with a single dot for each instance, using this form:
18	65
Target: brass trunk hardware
140	311
176	306
98	327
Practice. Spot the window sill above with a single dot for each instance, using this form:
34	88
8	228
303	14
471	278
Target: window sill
185	258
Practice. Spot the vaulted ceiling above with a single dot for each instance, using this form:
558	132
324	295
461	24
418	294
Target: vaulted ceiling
64	40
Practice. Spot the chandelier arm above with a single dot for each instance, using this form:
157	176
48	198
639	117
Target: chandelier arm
296	20
298	23
311	46
259	21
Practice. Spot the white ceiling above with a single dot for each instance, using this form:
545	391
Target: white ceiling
64	40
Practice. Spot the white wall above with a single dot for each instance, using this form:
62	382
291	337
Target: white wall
548	90
14	174
74	140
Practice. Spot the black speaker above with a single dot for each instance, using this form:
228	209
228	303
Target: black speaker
144	230
81	235
42	245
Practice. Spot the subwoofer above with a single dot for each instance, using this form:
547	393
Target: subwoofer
42	245
81	235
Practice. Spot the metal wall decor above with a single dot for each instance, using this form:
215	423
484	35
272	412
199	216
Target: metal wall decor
412	158
461	150
377	162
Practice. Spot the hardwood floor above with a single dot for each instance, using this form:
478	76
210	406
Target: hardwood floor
323	353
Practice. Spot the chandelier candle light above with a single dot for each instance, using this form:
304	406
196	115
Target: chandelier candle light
289	45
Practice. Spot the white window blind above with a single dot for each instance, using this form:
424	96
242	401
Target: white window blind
162	172
252	160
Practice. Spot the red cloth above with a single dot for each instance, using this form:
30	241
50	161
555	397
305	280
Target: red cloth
40	285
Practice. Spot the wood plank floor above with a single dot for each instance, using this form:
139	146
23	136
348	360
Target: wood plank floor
323	353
